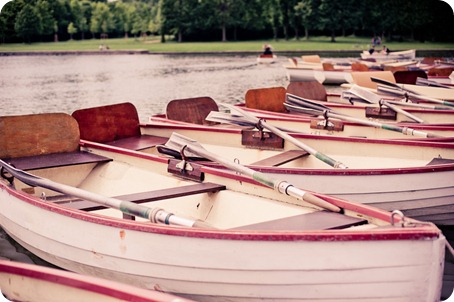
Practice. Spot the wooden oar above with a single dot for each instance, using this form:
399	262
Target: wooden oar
294	104
410	93
261	123
431	83
376	99
227	118
180	142
155	215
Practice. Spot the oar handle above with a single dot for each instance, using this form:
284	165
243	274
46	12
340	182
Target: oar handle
288	189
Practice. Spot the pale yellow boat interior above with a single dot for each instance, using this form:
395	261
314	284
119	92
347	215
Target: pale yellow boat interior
225	209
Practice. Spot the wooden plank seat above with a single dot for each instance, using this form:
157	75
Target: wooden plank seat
281	158
55	160
321	220
138	143
149	196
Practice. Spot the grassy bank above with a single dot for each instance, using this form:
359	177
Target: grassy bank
153	44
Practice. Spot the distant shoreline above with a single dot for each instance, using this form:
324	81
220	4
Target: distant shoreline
322	53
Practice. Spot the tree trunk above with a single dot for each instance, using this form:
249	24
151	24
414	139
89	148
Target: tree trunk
224	33
333	36
306	33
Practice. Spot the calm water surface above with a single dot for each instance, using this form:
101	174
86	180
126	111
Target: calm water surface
36	84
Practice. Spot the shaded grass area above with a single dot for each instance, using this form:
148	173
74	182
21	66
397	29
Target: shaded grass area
153	44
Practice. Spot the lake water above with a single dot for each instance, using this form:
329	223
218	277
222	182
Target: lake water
36	84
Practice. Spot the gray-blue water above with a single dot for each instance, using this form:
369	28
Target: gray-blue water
36	84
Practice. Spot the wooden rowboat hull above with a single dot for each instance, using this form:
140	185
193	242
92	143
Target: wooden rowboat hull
242	253
395	55
336	77
382	173
210	265
33	283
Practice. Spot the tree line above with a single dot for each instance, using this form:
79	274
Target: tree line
195	20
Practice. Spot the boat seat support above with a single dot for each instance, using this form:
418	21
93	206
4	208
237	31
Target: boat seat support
148	196
54	160
321	220
282	158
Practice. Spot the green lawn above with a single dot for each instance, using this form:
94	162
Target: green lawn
153	44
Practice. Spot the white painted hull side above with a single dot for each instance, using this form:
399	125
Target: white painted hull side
384	174
208	269
395	55
34	283
296	74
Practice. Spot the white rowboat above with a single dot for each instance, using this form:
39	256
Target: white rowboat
263	245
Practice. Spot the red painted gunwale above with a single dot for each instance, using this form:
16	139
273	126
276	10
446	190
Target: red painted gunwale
385	171
86	283
420	232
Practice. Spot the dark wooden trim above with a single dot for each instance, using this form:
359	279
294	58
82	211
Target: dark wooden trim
148	196
138	143
313	221
56	160
281	158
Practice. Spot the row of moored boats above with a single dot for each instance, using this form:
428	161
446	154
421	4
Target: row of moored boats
296	194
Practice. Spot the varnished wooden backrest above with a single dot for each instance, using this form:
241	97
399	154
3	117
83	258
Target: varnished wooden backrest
311	58
270	99
357	66
191	110
108	123
38	134
442	71
363	78
409	76
312	90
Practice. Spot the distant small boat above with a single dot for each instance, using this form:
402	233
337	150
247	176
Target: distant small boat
23	282
266	58
393	55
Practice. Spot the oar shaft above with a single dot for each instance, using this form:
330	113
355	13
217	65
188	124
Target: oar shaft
130	208
397	109
278	185
403	130
325	158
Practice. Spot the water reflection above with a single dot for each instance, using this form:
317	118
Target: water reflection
66	83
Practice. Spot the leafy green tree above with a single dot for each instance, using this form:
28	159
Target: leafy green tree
306	10
8	15
273	16
178	16
102	20
78	12
72	29
46	17
330	16
27	23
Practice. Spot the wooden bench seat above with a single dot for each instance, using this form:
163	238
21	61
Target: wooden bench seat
55	160
147	196
138	143
281	158
313	221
